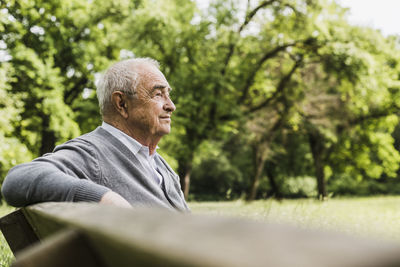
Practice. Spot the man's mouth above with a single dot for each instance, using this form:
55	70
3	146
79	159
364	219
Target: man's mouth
167	118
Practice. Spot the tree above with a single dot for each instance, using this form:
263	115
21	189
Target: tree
12	151
349	112
223	62
332	88
56	47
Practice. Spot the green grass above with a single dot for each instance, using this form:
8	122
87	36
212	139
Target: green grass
375	217
6	255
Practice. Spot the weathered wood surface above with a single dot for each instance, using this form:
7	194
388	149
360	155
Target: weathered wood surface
66	248
148	237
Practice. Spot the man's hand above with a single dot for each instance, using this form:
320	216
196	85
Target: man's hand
112	198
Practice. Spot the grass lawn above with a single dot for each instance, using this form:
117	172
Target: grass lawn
376	217
5	253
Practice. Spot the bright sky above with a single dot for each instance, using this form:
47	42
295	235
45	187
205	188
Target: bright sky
379	14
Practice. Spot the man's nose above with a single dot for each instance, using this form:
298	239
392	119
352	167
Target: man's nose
169	105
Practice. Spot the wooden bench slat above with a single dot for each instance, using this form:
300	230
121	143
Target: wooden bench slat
148	237
66	248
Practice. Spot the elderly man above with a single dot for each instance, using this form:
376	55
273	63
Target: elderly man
117	163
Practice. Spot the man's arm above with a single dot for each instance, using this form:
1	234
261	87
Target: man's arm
71	173
35	182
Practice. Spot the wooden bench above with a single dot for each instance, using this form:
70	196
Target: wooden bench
82	234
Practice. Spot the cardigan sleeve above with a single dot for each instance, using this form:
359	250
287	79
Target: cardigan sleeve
69	173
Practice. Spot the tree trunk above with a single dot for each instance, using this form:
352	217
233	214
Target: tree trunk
317	149
275	191
184	171
48	136
259	162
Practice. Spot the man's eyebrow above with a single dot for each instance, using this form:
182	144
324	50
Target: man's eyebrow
160	86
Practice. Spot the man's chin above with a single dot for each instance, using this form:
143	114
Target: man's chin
165	130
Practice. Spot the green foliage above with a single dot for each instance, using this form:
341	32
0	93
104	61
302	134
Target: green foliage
55	48
6	256
12	151
367	153
40	84
305	186
288	69
346	185
214	177
349	102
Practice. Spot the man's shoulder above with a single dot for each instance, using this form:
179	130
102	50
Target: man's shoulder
93	139
97	135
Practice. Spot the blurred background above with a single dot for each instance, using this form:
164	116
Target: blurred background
275	99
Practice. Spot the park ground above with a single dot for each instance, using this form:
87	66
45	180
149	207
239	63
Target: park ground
373	217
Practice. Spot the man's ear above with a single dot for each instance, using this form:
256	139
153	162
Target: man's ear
120	104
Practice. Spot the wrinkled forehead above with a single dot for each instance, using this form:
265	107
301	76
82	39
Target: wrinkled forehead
152	78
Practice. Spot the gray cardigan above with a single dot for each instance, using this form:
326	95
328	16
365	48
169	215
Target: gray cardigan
85	168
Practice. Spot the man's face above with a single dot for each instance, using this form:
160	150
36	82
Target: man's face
152	108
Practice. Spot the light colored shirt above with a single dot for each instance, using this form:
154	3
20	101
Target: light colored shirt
140	151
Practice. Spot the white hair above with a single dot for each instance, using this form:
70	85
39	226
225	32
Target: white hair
122	76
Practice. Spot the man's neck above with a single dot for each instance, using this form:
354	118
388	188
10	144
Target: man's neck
142	138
